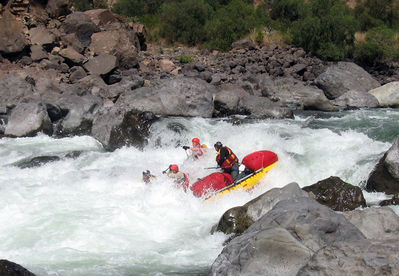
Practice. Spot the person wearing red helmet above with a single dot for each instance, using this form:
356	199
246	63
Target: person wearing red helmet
197	149
180	178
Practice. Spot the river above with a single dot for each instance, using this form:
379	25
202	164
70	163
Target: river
93	215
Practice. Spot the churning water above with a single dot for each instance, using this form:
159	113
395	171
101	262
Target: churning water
93	215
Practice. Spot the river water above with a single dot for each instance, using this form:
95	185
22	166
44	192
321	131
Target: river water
93	215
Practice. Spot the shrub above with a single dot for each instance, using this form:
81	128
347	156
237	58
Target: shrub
184	21
135	8
328	30
229	24
185	59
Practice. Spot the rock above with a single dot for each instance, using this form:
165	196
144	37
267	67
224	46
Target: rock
118	40
385	176
260	108
13	90
81	25
77	73
27	119
357	258
36	161
72	55
375	223
245	43
56	8
12	38
387	95
166	65
37	53
291	92
8	268
71	40
116	127
283	240
102	17
393	201
80	114
238	219
344	76
101	64
41	36
179	96
356	99
337	194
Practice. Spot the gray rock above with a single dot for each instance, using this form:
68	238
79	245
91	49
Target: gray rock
261	107
344	76
356	99
384	177
117	127
367	257
56	8
387	95
378	223
13	90
179	96
12	38
76	73
37	53
80	114
291	92
80	24
27	119
101	64
41	36
8	268
72	55
119	40
284	240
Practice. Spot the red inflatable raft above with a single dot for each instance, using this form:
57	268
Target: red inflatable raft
258	163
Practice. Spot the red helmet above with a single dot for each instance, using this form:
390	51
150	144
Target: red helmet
195	141
174	168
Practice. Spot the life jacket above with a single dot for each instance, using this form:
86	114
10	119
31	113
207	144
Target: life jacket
230	160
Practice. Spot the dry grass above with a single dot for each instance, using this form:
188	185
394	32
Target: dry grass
360	37
268	37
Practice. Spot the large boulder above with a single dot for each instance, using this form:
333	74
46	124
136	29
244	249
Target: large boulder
291	92
102	17
337	194
117	39
56	8
385	176
344	76
115	127
379	223
367	257
387	95
8	268
101	64
356	99
231	99
27	119
13	90
80	24
238	219
80	112
172	97
41	36
284	240
12	38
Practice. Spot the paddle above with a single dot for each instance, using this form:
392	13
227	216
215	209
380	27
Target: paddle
165	170
212	168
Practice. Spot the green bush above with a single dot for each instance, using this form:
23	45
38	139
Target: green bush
367	53
229	24
136	8
374	13
185	59
328	30
184	21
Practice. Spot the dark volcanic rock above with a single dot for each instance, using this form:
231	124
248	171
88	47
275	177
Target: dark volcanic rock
385	176
8	268
337	194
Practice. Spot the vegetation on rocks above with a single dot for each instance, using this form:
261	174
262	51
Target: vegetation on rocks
333	30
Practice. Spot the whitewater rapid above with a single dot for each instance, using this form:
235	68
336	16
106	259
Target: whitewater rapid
93	215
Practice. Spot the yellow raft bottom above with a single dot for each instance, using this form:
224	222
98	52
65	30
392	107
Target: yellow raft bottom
246	185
